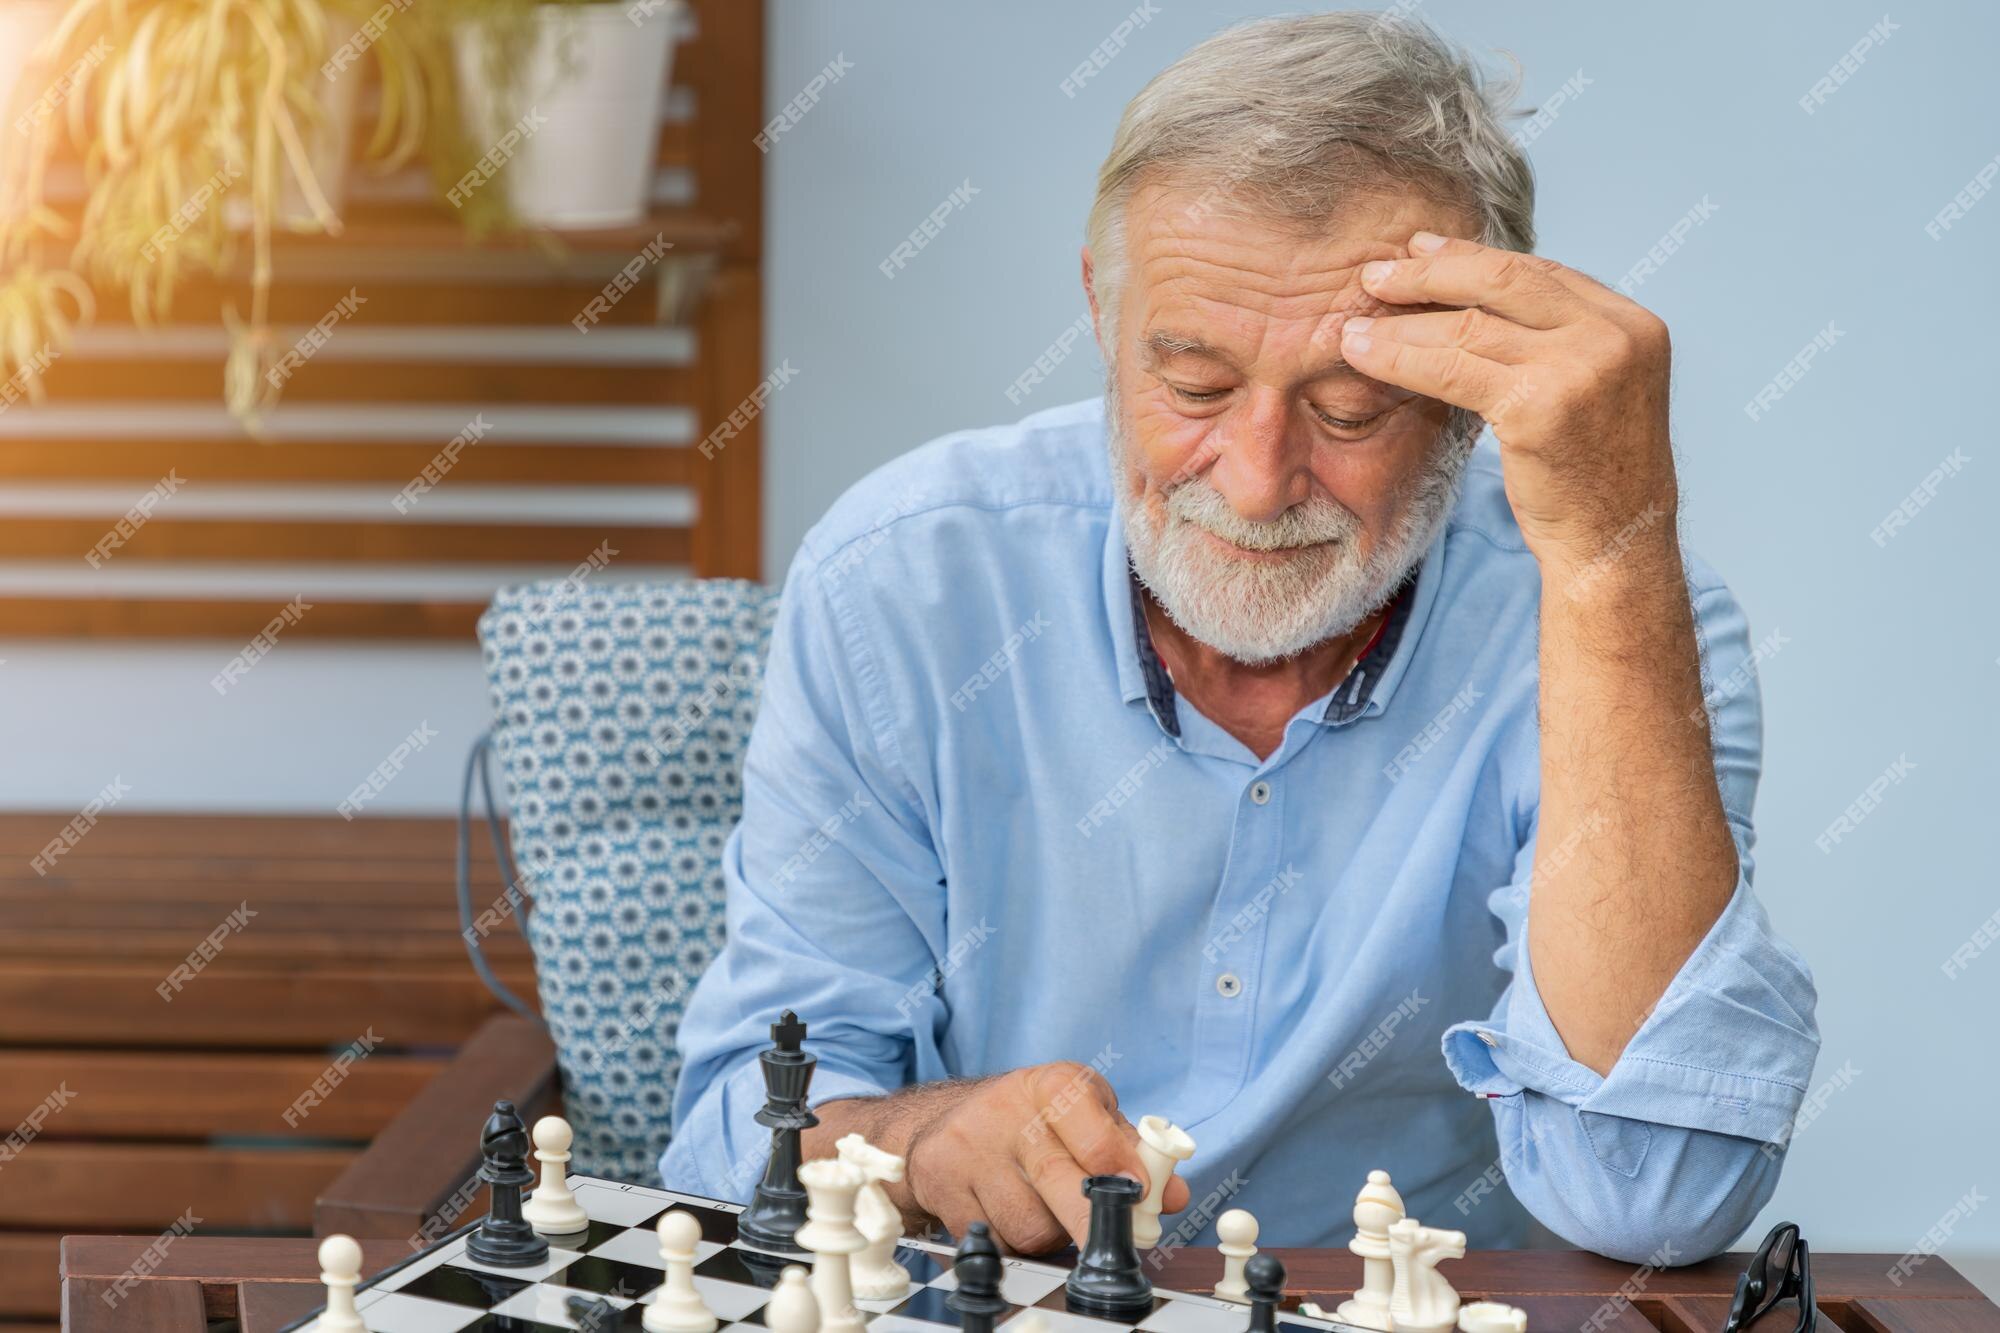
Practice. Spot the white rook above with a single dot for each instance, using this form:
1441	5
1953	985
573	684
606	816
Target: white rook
1162	1147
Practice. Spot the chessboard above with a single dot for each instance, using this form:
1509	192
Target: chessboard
442	1290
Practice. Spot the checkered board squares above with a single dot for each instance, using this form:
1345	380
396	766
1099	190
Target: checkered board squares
441	1290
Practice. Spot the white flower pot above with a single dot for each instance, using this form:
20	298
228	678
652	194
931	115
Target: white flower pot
23	25
575	141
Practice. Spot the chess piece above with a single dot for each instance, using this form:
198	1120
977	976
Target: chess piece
591	1314
504	1239
876	1274
552	1209
792	1307
1107	1280
829	1232
1422	1301
975	1271
1376	1209
1237	1230
778	1209
678	1308
1265	1277
1491	1317
340	1270
1162	1147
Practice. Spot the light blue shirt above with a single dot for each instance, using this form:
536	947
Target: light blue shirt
974	839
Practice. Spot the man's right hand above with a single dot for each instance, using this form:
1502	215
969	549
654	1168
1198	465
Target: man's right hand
1012	1150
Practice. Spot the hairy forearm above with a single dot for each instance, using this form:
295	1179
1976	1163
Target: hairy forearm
894	1123
1634	859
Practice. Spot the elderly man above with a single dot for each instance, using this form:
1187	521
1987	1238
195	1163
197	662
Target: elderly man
1225	749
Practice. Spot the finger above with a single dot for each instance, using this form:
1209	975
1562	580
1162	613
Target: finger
1512	285
1020	1220
1444	373
1057	1180
1470	330
1176	1197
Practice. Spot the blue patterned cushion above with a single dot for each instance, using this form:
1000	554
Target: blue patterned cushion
621	717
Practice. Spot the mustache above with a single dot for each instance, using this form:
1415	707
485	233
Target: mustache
1310	523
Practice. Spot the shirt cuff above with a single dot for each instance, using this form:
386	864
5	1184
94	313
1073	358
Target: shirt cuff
1728	1049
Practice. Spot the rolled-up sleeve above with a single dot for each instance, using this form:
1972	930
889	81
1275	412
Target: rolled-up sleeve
835	904
1668	1157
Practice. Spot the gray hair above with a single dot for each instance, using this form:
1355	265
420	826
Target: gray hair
1290	114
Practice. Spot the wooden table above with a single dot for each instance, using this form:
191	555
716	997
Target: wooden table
266	1282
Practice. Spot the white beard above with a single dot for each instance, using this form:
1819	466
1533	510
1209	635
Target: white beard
1259	611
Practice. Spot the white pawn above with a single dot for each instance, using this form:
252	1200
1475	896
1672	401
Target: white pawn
1492	1317
1162	1146
1377	1208
340	1264
792	1307
552	1209
834	1240
875	1273
678	1308
1237	1230
1423	1301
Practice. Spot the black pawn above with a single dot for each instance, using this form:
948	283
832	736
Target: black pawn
1107	1279
592	1314
504	1239
976	1270
1264	1275
778	1209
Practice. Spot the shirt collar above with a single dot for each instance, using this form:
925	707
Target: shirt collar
1366	688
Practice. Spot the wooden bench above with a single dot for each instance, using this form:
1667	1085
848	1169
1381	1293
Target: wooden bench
137	1096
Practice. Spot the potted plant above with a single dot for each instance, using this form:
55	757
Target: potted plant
566	93
197	122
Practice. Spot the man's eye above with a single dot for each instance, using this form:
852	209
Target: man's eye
1196	395
1345	423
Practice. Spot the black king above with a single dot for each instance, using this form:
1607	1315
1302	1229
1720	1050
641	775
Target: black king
778	1209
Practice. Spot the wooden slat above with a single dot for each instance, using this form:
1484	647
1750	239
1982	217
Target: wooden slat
272	838
296	301
177	1094
1705	1314
1880	1315
168	1307
32	537
728	540
229	621
106	1186
240	1002
28	1277
327	379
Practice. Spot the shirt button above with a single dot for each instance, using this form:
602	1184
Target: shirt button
1486	1037
1229	985
1260	793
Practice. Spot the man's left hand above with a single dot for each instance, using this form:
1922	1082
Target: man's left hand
1571	376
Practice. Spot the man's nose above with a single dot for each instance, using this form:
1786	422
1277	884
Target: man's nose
1262	466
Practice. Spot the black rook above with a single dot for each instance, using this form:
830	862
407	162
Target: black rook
1107	1280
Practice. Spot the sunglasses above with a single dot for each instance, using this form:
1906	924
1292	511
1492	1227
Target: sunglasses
1779	1271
